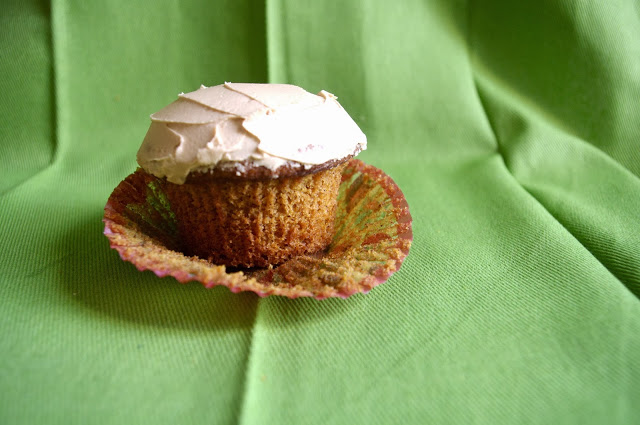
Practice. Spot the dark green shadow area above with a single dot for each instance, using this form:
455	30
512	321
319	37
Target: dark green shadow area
96	278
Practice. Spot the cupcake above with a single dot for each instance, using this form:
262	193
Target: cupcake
251	171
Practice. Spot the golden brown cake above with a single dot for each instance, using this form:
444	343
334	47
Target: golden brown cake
251	171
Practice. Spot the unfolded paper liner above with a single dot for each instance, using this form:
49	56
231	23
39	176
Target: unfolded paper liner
372	237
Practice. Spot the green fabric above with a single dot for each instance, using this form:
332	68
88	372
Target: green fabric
513	129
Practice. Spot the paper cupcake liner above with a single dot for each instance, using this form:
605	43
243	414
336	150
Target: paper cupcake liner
372	237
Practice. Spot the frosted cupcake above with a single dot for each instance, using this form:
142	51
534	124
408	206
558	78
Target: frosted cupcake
251	171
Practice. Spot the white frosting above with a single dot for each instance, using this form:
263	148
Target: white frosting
271	125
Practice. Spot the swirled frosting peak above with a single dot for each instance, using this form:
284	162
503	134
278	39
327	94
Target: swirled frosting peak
232	124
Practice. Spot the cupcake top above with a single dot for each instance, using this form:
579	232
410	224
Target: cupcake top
263	130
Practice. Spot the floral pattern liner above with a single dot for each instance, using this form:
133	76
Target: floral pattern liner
372	237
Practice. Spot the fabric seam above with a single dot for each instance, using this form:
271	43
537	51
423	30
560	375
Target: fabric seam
240	418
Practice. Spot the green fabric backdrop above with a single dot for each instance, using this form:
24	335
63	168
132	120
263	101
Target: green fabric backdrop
513	129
